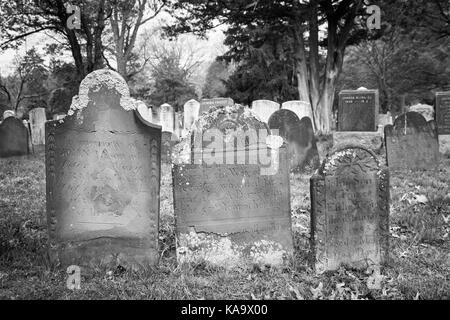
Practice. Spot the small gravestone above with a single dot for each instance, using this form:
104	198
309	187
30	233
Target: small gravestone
385	119
231	192
349	211
37	124
358	110
264	109
411	143
8	113
103	176
299	136
167	117
13	138
144	111
191	111
206	104
443	121
425	110
300	108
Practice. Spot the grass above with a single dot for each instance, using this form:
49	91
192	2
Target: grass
419	266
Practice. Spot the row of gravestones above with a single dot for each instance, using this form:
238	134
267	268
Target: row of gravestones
230	182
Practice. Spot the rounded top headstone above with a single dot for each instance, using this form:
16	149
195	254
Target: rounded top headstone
8	113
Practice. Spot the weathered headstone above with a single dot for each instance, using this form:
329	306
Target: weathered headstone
425	110
8	113
103	175
13	138
358	110
167	117
264	109
443	121
191	111
145	112
300	108
206	104
299	136
349	211
37	124
411	143
231	204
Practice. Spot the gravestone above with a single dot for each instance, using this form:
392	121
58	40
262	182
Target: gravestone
167	117
206	104
103	177
385	119
59	116
425	110
37	124
8	113
443	121
264	109
168	141
145	112
358	110
13	138
231	193
411	143
300	108
349	211
299	136
191	113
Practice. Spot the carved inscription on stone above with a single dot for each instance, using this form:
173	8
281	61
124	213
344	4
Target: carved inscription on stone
358	110
443	112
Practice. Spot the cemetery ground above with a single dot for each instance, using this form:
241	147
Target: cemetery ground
419	266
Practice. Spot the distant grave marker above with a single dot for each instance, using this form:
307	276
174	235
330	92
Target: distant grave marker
13	138
349	211
300	108
103	174
358	110
299	136
206	104
264	109
411	143
37	124
443	121
167	117
425	110
231	196
191	113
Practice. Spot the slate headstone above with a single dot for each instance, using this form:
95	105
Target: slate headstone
13	138
358	110
443	121
349	211
103	178
233	212
299	136
206	104
264	109
300	108
37	124
411	143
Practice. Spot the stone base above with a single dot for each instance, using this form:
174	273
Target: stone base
444	144
370	140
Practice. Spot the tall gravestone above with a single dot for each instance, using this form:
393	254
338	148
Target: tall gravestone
300	108
299	136
411	143
13	138
358	110
349	211
191	111
37	124
231	192
443	121
206	104
167	117
103	177
264	109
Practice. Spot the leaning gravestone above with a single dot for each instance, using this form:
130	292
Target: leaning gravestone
206	104
13	138
37	124
300	108
411	143
299	136
103	174
358	110
264	109
231	192
443	121
349	211
191	112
